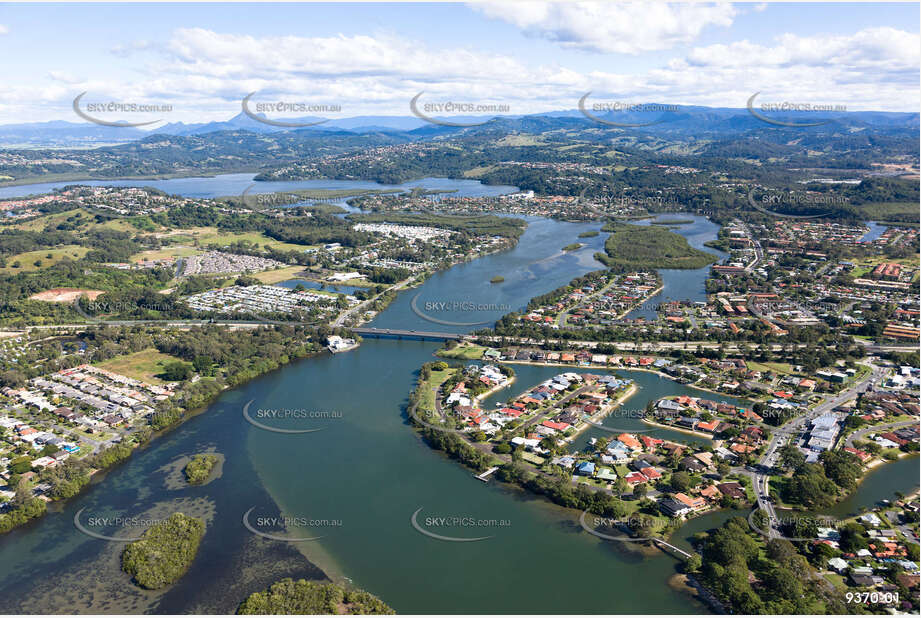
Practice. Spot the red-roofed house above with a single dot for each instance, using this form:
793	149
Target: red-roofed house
630	442
694	503
709	427
651	473
635	478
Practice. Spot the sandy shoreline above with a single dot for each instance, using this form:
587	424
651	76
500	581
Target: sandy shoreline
699	434
495	389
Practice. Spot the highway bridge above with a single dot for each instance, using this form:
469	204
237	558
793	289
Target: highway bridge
394	333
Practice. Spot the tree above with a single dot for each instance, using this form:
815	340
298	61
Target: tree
640	490
853	538
680	481
791	457
204	365
12	378
841	467
176	371
783	583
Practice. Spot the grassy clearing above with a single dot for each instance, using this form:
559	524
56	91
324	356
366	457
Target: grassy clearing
204	236
520	140
465	351
43	258
784	368
281	274
213	236
78	216
427	400
476	172
145	365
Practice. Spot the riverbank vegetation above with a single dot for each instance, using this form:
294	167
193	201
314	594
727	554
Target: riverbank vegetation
497	279
289	597
165	551
589	234
199	468
23	508
645	246
757	576
573	246
221	359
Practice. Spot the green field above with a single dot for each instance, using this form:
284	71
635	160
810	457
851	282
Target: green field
906	212
427	398
281	274
212	236
45	258
784	368
464	352
145	365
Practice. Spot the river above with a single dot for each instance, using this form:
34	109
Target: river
356	483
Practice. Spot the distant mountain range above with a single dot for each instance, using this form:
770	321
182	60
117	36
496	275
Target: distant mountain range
684	120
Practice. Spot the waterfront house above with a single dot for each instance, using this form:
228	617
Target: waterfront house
630	442
556	426
668	405
732	489
711	493
695	503
709	426
673	508
619	452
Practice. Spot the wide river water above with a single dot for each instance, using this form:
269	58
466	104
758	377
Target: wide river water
358	480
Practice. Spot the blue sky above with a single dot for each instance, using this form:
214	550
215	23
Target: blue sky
201	59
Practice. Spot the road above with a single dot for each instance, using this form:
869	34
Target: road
653	346
790	431
340	320
756	244
625	346
876	429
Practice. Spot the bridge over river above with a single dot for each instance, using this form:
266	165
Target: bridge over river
393	333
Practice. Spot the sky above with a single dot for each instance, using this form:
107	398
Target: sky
197	61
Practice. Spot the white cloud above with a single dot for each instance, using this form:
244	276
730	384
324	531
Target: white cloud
204	74
627	28
63	77
4	29
201	51
885	48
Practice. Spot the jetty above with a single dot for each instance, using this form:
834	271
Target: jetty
485	475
